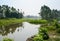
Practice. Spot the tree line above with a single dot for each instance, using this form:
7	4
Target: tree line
9	12
48	14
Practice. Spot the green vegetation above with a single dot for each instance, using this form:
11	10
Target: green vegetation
10	21
48	32
10	15
7	22
39	21
51	30
9	12
7	39
48	14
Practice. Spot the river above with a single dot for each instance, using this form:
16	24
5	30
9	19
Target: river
19	32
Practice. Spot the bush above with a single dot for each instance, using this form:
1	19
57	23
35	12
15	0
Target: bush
7	39
42	35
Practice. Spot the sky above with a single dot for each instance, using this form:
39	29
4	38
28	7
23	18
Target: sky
31	7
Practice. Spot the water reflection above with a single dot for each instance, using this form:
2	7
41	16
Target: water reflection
5	30
19	32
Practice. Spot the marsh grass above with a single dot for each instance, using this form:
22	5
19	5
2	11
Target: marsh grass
7	39
7	22
37	21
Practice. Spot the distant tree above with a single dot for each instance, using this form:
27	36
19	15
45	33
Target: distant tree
45	12
9	12
55	14
48	14
13	9
0	10
0	7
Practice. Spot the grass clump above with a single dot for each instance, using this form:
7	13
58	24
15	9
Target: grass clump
7	22
42	35
7	39
38	21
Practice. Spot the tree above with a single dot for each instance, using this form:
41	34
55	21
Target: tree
55	14
45	12
48	14
9	12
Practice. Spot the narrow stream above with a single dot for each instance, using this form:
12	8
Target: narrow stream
19	32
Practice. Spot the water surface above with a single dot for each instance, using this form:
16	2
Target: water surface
19	32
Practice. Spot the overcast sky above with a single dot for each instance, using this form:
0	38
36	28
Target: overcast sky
31	7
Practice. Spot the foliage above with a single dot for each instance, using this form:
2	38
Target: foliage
45	12
42	35
48	14
58	30
51	28
7	39
10	21
9	12
37	21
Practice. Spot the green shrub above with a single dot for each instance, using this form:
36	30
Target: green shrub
42	35
7	39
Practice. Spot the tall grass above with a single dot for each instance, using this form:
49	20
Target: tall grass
7	39
37	21
6	22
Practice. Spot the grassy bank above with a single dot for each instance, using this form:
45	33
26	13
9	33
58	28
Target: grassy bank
10	21
7	39
37	21
7	22
48	32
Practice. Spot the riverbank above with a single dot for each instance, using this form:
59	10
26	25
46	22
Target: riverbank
47	32
36	21
11	21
